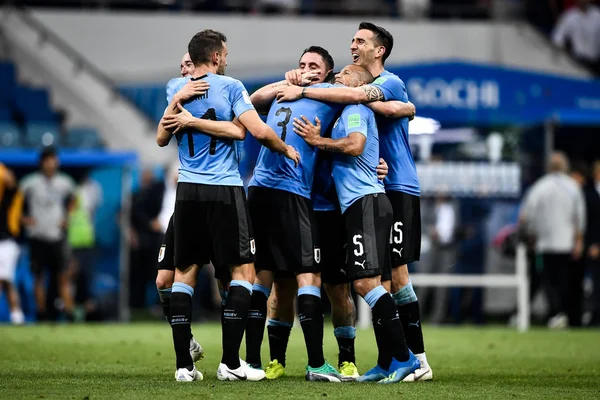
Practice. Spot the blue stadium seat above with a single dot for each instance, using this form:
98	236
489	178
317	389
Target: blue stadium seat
82	138
40	134
10	136
7	83
34	104
5	114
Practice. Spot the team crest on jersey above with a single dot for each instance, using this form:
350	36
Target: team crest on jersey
252	247
161	252
317	255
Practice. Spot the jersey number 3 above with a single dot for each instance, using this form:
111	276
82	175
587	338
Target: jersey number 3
283	123
211	115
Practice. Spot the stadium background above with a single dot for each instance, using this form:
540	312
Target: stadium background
89	77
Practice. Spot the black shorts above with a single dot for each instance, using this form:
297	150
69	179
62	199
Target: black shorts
50	255
166	254
286	233
405	239
332	241
368	224
211	223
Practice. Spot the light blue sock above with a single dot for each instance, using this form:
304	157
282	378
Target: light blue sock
263	289
179	287
244	284
164	294
405	295
347	332
274	322
312	290
374	295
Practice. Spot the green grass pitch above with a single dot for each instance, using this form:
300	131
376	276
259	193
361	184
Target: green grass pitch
136	361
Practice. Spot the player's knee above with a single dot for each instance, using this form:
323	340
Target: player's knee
400	278
365	285
309	279
163	281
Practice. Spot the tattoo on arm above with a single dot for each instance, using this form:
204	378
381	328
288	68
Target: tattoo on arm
331	149
373	93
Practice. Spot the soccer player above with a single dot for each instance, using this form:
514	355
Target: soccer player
279	199
370	47
368	215
11	206
210	220
174	123
312	70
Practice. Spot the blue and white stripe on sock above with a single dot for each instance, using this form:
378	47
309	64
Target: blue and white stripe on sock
262	289
274	322
405	295
374	295
179	287
310	290
245	284
346	332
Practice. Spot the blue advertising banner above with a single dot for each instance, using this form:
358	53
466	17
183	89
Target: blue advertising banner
474	94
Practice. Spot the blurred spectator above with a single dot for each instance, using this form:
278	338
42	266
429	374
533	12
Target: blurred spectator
277	6
443	255
471	260
82	240
543	13
577	269
592	238
578	29
49	198
554	211
145	210
11	204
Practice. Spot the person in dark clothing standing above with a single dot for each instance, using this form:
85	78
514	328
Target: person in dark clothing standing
592	237
146	206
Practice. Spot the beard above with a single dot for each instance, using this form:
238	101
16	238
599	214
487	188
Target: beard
221	70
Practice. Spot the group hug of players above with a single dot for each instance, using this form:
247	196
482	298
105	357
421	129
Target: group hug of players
323	208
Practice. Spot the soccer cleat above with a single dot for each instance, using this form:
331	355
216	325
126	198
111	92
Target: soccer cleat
424	373
243	373
325	373
196	351
274	370
400	370
349	369
375	374
17	317
185	375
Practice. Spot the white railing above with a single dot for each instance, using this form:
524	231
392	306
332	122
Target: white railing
519	280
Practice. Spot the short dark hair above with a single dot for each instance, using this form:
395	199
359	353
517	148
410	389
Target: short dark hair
324	54
382	38
204	44
47	152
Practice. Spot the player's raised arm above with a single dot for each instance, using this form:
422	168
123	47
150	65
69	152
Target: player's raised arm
263	97
352	145
343	95
393	109
222	129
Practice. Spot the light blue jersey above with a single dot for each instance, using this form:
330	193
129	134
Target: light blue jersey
274	170
356	177
323	194
204	158
395	149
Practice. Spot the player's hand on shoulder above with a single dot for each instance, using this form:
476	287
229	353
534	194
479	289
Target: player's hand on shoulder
175	122
305	129
292	154
382	169
193	89
289	93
